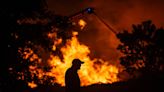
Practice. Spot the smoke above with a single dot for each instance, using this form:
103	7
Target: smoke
120	14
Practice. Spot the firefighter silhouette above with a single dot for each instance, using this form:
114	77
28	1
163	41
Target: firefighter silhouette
72	80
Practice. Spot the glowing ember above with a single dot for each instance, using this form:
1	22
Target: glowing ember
32	84
82	23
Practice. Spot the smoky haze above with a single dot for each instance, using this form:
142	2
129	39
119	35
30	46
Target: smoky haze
120	14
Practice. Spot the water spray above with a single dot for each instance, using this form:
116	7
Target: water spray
91	10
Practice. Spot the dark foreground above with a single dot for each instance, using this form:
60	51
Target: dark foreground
147	84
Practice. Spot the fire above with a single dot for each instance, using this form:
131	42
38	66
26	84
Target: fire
32	84
82	23
93	71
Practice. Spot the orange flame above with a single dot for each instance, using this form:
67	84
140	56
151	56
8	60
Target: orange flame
32	84
82	23
91	72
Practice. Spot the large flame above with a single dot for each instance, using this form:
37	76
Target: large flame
93	71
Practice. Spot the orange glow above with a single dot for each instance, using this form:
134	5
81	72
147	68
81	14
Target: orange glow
82	23
57	42
93	71
32	84
51	35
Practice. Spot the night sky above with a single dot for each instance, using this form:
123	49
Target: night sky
120	14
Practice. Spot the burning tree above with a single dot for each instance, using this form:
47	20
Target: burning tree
142	48
10	12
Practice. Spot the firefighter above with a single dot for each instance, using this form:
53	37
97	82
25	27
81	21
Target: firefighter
72	80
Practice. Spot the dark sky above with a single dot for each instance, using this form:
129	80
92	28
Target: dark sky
120	14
